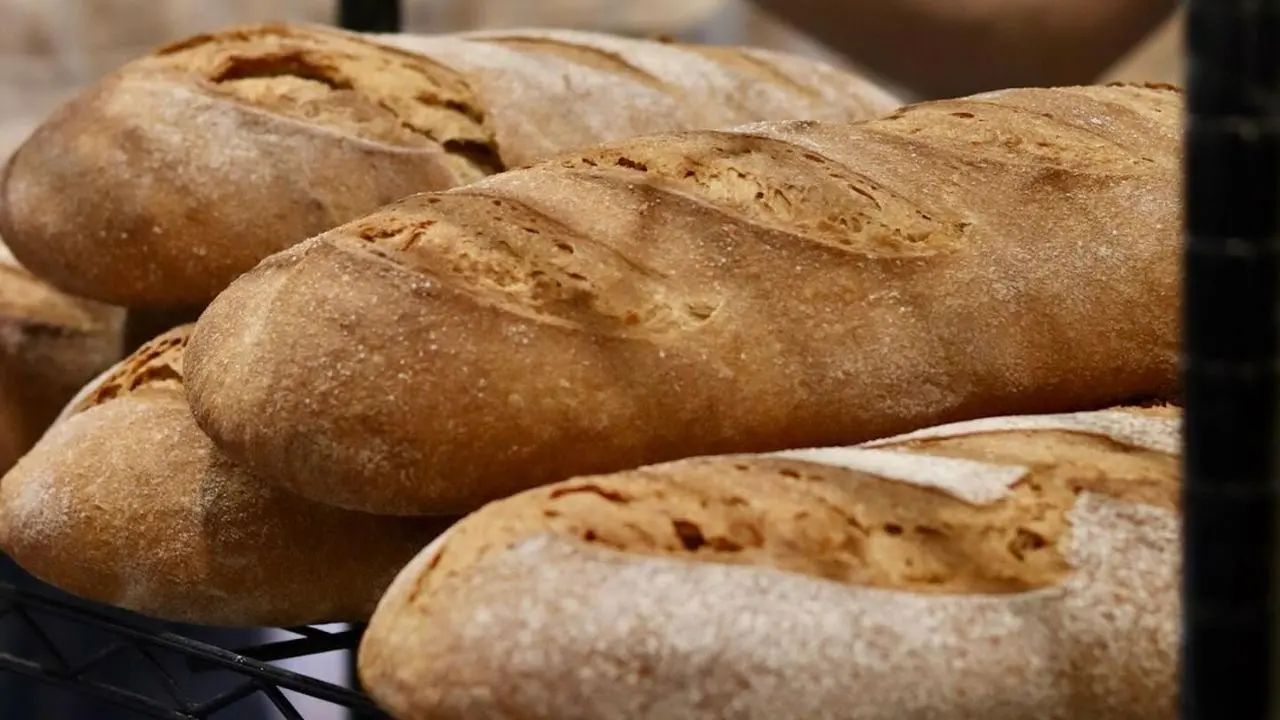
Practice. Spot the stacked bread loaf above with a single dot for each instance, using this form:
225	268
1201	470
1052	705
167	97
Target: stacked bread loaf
1005	569
50	345
621	254
782	285
126	502
156	186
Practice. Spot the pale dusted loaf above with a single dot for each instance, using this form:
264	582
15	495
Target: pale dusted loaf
125	502
158	185
51	344
1009	569
784	285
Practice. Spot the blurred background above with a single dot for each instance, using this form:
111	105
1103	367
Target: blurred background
48	48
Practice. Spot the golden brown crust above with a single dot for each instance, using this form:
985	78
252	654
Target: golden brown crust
164	181
846	525
125	502
784	285
50	345
970	547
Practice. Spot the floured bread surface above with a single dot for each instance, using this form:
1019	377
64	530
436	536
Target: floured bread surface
50	345
340	81
158	185
125	502
810	586
780	285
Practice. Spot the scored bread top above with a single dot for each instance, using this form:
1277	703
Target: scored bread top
785	284
527	242
966	508
158	185
647	86
341	82
803	585
156	365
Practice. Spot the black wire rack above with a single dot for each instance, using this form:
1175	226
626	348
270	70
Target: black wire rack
170	658
1231	362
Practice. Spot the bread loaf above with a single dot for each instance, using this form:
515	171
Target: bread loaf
784	285
1016	568
125	502
158	185
50	345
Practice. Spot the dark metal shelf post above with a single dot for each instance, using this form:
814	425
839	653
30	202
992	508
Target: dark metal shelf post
381	16
1231	357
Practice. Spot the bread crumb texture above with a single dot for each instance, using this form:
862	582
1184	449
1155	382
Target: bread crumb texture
534	264
803	585
158	363
792	177
339	81
444	93
849	516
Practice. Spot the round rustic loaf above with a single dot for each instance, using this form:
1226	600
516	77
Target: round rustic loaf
124	501
1005	569
51	344
161	183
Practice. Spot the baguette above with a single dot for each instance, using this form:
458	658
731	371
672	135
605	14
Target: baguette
161	183
784	285
50	345
125	502
1014	568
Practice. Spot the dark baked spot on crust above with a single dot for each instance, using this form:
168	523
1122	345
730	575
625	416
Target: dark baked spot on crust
757	178
156	363
690	534
610	495
340	81
528	263
835	523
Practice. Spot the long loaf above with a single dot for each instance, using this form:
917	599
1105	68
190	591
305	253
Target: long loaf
1013	568
783	285
124	501
158	185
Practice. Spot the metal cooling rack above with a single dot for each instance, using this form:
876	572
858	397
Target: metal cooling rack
173	659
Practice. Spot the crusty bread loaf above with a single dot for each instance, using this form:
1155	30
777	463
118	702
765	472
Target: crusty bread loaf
50	345
1011	569
125	502
783	285
158	185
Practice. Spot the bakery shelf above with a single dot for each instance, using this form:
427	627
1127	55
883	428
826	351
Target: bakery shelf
172	658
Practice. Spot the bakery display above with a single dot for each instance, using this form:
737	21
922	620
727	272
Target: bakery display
125	502
50	345
1012	568
159	184
567	360
781	285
